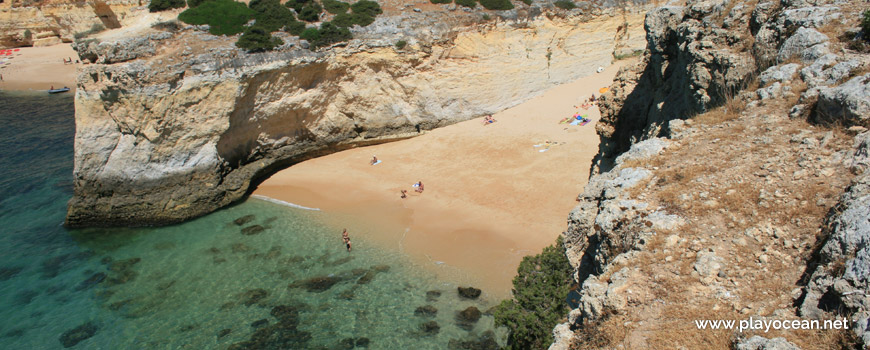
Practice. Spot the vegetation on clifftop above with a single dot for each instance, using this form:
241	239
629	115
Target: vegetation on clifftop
540	288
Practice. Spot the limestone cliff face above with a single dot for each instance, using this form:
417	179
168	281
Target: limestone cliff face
49	22
734	214
172	125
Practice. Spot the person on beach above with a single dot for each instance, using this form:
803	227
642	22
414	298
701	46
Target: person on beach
488	120
346	238
419	186
404	194
374	160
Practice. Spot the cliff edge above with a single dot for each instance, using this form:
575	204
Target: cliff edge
731	184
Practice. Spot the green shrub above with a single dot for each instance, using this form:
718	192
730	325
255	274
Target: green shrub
467	3
295	28
271	16
367	7
497	4
163	5
95	28
348	20
258	39
29	35
527	2
565	4
486	17
401	44
330	34
310	12
865	24
335	7
310	34
195	3
224	17
440	1
540	288
296	5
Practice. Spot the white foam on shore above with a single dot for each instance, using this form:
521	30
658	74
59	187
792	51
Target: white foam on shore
278	201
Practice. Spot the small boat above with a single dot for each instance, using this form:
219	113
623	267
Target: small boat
57	91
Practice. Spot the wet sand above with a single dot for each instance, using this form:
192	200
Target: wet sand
490	196
39	68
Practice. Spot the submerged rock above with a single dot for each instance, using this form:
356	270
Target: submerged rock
95	279
244	219
317	284
430	328
9	272
259	323
224	332
286	314
432	295
469	292
486	341
362	342
466	319
73	336
240	248
347	343
426	311
253	296
24	297
253	230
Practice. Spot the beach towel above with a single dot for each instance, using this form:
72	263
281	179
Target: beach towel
584	122
378	162
575	122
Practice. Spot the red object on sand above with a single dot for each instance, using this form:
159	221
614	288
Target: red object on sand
17	49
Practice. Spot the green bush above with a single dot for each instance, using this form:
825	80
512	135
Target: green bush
295	28
330	34
296	5
527	2
467	3
335	7
486	17
310	12
440	1
310	34
195	3
540	288
224	17
865	24
401	44
565	4
367	7
348	20
162	5
258	39
271	16
29	35
497	4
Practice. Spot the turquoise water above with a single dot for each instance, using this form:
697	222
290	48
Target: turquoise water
202	284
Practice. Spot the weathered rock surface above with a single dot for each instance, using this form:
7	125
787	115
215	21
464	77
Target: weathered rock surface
762	343
43	23
846	104
173	125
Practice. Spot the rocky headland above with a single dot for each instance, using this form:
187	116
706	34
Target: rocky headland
173	122
731	183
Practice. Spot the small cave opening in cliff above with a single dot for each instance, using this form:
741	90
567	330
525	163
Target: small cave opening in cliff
106	15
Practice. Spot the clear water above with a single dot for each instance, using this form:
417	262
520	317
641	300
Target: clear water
198	285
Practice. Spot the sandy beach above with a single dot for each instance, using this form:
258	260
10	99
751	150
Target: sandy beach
491	196
38	68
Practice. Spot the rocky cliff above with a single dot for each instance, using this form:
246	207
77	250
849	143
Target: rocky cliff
172	124
723	155
49	22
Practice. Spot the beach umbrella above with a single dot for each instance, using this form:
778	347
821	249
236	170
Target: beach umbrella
602	90
17	49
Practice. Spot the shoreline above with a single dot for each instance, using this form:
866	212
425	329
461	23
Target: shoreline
491	197
39	68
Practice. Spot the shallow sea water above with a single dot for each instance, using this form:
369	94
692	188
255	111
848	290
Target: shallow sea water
198	285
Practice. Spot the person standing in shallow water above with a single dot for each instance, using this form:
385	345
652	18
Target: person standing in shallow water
346	238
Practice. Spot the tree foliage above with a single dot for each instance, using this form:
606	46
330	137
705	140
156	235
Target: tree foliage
163	5
538	304
271	15
865	24
224	17
565	4
440	1
195	3
367	7
310	12
497	4
467	3
335	7
258	39
328	34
